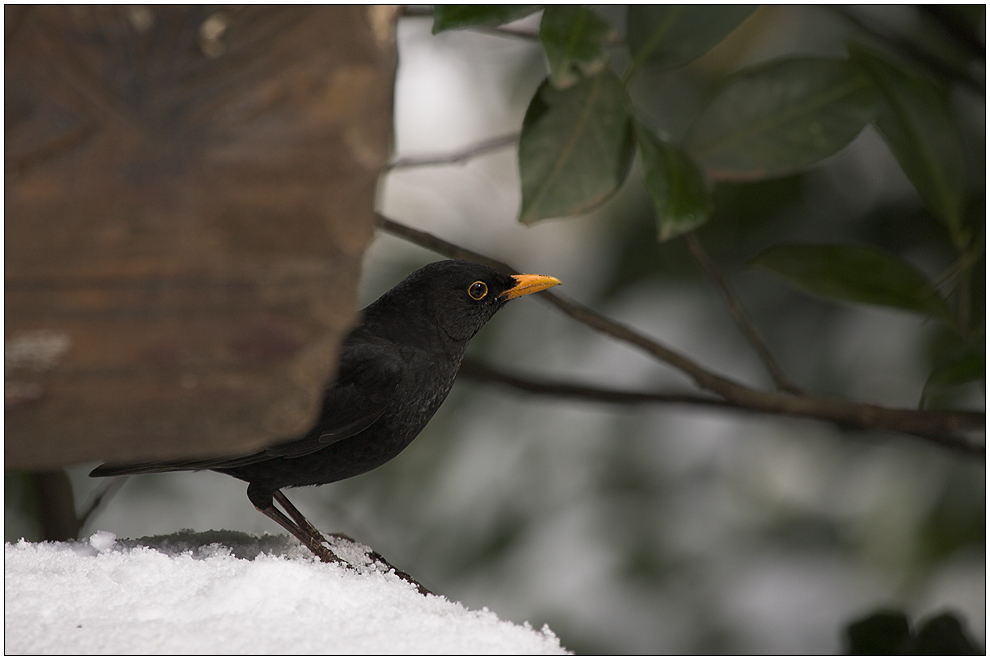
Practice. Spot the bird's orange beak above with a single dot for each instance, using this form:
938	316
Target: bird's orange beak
527	284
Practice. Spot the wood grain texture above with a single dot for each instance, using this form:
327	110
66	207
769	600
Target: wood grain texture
188	195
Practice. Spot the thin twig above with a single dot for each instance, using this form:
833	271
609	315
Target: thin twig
704	378
477	371
738	314
491	144
474	370
940	427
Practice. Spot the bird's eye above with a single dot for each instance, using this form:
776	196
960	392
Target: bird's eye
478	290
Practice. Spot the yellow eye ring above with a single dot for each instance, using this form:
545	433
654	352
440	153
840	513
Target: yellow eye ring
478	290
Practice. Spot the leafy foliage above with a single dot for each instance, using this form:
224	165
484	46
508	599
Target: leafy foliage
576	147
887	632
775	118
678	189
914	117
781	117
572	39
853	273
968	364
672	35
726	146
882	633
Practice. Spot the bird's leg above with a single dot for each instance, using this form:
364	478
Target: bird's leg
294	513
311	537
306	534
323	552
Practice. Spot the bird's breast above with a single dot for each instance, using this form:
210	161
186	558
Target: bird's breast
427	383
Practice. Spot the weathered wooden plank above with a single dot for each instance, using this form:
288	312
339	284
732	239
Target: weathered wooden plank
188	195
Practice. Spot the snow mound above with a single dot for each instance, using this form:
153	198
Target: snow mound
232	593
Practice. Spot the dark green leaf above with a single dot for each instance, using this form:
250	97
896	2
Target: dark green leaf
780	117
576	147
572	40
885	632
671	35
969	365
943	635
678	188
453	17
854	273
915	120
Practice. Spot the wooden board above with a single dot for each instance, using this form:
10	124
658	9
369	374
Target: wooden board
188	196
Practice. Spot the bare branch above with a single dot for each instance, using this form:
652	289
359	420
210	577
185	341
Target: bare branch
475	370
739	315
940	427
704	378
492	144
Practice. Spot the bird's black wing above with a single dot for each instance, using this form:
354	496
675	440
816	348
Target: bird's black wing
367	377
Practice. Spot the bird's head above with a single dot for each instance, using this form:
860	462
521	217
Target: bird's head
461	296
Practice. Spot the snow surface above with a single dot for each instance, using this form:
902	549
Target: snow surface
232	593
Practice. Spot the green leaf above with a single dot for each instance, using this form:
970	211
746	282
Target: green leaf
572	40
454	17
678	188
781	117
915	120
576	147
885	632
969	365
853	273
943	635
671	35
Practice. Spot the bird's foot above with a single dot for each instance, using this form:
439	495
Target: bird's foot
376	558
311	537
319	545
321	548
402	575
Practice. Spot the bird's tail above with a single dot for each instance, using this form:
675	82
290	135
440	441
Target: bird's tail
152	467
111	470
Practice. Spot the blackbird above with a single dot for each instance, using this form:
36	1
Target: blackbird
395	369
